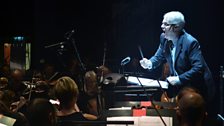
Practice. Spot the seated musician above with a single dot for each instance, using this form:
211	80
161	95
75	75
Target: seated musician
87	100
40	112
15	90
67	93
3	83
8	117
191	109
101	72
16	83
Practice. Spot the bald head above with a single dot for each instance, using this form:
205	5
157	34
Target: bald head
17	75
191	107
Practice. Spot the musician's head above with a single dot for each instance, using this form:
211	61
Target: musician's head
41	112
17	75
191	109
3	82
90	83
186	90
66	90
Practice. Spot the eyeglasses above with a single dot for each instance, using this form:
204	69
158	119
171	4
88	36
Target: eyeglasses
166	24
169	26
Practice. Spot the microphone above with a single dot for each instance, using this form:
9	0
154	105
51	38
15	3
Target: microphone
125	61
54	45
69	34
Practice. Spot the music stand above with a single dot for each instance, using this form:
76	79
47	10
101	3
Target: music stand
149	112
94	123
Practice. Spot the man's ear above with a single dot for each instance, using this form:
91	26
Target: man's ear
176	28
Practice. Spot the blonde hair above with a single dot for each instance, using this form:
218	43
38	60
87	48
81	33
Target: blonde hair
90	86
66	90
90	76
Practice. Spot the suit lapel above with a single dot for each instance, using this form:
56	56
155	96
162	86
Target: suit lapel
168	55
178	48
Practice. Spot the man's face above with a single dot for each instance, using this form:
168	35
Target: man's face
168	29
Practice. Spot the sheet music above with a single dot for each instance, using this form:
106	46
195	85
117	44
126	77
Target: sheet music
121	108
142	121
6	121
146	82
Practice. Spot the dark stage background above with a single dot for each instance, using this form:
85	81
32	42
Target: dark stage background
117	26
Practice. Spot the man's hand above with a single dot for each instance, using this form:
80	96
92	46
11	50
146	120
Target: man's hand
146	64
174	80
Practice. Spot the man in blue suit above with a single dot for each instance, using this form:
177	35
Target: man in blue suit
183	54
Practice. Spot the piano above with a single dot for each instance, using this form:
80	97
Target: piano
117	87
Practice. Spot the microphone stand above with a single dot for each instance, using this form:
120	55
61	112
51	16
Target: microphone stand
99	105
221	89
78	56
68	36
165	94
122	69
100	80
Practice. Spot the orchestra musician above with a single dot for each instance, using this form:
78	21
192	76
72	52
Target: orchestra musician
66	91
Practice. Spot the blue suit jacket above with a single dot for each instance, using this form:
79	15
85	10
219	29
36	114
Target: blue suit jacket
189	63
